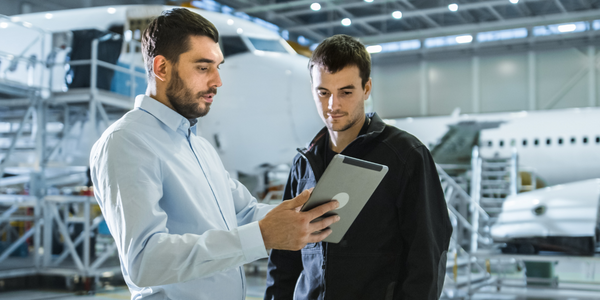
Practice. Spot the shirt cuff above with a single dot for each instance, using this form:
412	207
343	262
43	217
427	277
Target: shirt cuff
252	242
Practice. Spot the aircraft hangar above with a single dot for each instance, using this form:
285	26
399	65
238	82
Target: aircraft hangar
503	94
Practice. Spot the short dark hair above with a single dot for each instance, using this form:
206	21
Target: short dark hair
168	35
339	51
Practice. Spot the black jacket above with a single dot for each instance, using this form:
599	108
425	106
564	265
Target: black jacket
396	247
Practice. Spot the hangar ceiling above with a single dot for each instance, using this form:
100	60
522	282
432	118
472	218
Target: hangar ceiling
384	21
374	21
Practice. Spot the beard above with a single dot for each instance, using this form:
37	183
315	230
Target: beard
183	100
353	119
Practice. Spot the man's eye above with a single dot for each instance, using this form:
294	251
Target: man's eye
347	93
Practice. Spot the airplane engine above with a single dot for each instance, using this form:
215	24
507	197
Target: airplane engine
558	218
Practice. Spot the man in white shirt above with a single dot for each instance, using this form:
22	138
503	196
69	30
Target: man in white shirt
182	226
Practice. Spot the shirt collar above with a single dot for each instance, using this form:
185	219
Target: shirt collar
165	114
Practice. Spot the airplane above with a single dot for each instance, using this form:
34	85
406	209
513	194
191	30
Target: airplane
263	112
562	147
562	218
559	146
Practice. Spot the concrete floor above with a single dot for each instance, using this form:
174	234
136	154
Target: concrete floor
256	279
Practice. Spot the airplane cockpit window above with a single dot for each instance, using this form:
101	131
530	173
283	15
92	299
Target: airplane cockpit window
232	45
585	140
267	45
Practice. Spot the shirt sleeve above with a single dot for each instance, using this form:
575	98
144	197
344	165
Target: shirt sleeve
426	228
248	213
128	182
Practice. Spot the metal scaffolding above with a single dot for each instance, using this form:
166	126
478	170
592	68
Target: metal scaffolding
44	230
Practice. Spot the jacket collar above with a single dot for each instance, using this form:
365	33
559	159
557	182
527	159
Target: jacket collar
357	148
375	129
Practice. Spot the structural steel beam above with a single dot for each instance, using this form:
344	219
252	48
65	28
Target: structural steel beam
489	26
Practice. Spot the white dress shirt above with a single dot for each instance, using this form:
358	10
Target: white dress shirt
182	226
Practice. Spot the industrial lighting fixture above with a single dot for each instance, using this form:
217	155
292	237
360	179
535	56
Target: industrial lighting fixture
49	16
397	15
464	39
453	7
514	1
567	27
315	6
230	22
3	25
346	22
111	10
374	49
240	31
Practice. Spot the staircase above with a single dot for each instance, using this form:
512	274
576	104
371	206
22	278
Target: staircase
489	181
493	179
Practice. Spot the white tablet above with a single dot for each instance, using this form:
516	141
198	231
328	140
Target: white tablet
351	182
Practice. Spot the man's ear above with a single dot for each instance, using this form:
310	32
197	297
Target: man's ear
159	67
367	89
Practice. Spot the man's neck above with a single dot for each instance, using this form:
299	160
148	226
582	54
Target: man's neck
339	140
160	96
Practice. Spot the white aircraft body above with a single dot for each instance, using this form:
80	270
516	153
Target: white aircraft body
561	217
261	114
559	146
562	147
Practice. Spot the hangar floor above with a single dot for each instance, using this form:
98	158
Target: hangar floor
256	274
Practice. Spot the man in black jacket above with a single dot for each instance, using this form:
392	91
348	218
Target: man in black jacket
396	247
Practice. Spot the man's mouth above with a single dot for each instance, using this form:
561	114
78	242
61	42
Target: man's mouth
336	115
208	98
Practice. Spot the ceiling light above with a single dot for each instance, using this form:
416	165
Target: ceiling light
49	16
567	27
346	22
240	31
397	14
374	49
15	19
27	24
514	1
368	1
315	6
463	39
3	25
453	7
111	10
230	22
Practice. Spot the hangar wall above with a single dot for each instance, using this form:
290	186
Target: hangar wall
496	82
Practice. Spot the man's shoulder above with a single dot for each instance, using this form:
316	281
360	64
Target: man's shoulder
400	141
135	124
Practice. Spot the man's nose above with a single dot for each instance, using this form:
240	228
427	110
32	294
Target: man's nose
333	102
216	80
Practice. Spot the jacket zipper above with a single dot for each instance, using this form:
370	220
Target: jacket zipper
324	244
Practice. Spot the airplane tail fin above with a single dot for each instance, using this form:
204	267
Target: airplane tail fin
457	144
